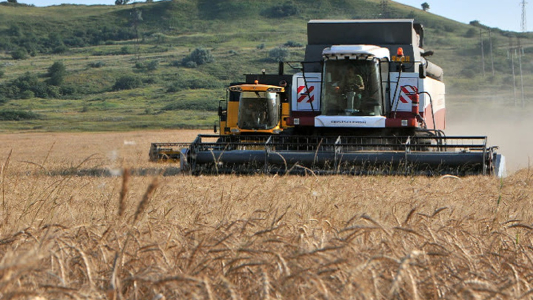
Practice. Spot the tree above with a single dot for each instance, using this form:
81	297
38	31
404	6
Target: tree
425	6
121	2
127	82
19	53
12	1
14	31
198	56
280	11
279	54
57	73
471	33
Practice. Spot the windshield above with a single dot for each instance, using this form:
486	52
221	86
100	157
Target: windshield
258	110
352	88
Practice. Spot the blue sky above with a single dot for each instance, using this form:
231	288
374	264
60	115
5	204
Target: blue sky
505	15
494	13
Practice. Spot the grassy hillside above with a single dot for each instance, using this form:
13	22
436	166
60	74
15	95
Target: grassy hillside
124	65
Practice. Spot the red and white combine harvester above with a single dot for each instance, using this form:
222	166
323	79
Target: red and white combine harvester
365	101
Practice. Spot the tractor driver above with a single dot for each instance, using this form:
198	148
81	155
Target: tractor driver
351	88
352	82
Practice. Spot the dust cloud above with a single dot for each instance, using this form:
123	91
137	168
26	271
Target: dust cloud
508	127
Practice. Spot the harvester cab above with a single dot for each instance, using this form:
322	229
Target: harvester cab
352	84
369	77
252	109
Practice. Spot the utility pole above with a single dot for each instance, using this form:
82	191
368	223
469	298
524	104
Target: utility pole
524	20
385	8
491	56
521	74
520	50
512	52
482	51
136	18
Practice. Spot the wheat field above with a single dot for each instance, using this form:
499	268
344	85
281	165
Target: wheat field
86	216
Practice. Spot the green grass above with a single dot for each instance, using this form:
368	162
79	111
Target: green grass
232	31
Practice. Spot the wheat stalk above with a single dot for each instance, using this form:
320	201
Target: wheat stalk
144	202
112	291
208	290
409	215
123	192
4	171
229	287
265	283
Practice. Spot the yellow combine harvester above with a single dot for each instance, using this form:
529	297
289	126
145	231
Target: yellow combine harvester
251	108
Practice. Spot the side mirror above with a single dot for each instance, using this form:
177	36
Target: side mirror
219	110
422	71
215	127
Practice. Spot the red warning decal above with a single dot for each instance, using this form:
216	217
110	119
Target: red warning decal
307	94
407	92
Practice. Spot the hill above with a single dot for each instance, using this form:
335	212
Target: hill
165	64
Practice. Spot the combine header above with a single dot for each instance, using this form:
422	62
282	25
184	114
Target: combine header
352	109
